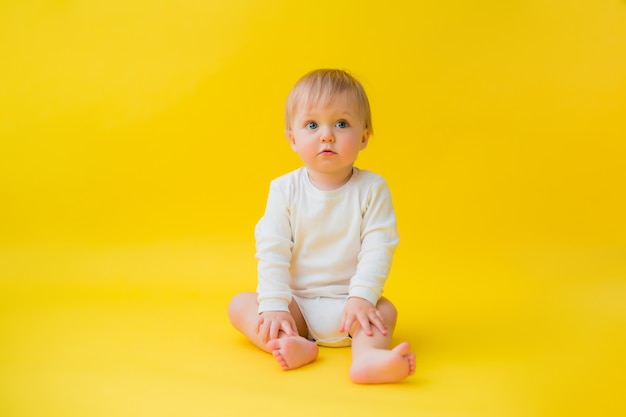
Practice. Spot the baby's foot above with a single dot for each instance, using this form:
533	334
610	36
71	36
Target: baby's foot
293	351
377	366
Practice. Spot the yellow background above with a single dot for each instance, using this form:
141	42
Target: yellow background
137	141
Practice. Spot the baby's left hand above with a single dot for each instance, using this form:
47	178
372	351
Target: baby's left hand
362	312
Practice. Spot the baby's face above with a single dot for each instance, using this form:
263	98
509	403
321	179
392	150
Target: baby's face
328	136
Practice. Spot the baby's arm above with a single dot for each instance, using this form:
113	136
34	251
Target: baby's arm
379	238
273	244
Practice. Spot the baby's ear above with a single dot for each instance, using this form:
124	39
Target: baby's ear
365	138
290	138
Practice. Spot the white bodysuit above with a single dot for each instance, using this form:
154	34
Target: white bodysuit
314	245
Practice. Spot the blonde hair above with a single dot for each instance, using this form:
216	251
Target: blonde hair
322	86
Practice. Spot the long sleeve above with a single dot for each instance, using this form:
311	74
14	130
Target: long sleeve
273	251
379	239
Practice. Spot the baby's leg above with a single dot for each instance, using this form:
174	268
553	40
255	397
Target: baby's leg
290	351
372	360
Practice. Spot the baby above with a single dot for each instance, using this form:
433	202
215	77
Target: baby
326	241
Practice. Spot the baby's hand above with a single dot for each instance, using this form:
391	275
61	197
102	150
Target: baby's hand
358	310
272	322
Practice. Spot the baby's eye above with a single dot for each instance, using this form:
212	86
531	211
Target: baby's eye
311	125
342	124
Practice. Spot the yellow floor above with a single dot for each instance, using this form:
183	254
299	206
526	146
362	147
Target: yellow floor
141	330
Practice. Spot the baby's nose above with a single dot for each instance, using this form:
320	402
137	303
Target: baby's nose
327	136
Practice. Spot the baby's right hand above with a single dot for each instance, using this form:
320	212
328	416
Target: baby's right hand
271	323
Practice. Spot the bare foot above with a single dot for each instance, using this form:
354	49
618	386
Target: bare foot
378	366
292	352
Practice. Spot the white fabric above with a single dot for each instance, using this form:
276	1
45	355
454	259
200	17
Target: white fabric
315	243
323	320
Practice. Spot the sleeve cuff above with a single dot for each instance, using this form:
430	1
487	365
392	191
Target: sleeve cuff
364	293
273	305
